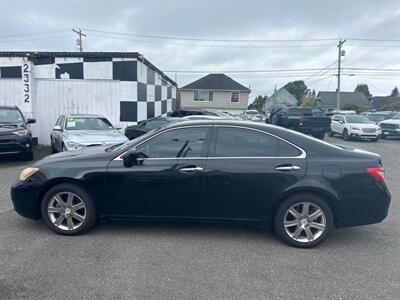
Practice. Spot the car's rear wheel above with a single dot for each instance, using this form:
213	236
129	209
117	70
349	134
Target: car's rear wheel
67	209
303	220
345	135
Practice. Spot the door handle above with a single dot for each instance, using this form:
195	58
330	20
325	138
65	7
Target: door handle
191	169
287	168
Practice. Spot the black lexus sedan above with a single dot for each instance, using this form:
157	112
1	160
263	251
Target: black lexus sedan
210	171
15	135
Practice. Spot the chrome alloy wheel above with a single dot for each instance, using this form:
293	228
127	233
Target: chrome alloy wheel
304	222
66	211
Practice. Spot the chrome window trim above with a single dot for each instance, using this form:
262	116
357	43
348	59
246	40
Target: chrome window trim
302	151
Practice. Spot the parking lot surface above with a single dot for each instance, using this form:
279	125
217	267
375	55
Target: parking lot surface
187	261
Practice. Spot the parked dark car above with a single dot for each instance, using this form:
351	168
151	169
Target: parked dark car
214	171
15	135
301	119
191	112
145	126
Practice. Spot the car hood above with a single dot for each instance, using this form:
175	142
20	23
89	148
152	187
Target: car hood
9	128
84	154
390	121
90	137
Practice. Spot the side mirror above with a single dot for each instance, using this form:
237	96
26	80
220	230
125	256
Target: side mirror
57	128
341	122
130	157
30	121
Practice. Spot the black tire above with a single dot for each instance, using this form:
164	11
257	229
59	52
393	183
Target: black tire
91	212
345	135
281	211
319	135
331	133
383	137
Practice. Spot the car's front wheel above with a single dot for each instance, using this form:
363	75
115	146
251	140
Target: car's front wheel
67	209
303	220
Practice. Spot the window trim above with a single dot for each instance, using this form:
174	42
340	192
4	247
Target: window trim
198	92
211	145
303	153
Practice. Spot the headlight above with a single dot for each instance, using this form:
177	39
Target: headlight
28	172
21	132
355	128
74	146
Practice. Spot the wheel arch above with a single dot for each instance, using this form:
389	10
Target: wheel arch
330	198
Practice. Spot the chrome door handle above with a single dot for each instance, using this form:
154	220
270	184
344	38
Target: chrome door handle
191	169
287	168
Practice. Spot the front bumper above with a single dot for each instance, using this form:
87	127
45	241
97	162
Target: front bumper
14	144
363	135
390	132
25	198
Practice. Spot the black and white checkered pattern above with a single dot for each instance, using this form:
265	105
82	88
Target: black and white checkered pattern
145	93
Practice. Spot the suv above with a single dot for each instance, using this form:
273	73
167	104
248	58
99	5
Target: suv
391	127
354	127
15	135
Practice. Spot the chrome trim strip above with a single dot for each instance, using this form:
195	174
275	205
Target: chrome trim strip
302	155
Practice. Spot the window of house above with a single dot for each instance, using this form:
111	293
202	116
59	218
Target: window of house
203	96
235	97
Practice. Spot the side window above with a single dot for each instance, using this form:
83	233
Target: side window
287	150
184	142
240	142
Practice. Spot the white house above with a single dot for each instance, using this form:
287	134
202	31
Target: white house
123	86
281	97
215	92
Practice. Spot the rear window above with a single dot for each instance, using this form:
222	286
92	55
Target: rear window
295	111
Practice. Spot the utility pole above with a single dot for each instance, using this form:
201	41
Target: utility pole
340	54
274	99
79	40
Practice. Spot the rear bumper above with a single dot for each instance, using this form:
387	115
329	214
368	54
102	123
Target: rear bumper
14	144
364	209
25	198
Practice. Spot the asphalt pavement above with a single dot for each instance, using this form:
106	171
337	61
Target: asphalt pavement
191	261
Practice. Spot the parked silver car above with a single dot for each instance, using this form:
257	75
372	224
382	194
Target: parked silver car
76	131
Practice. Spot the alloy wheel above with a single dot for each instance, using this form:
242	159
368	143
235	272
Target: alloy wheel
66	211
304	222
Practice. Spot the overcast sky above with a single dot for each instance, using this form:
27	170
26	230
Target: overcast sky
223	20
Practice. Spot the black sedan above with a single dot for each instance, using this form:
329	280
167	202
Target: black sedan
134	131
214	171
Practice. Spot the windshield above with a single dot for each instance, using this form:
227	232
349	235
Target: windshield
10	115
396	116
357	119
87	123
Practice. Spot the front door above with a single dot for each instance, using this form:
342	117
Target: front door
167	182
246	171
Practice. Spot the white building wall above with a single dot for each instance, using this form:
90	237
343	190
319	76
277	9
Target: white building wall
221	101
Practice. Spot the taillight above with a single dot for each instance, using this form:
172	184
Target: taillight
378	173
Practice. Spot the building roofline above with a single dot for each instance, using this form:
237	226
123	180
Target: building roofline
136	55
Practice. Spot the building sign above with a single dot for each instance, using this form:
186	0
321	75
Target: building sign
26	81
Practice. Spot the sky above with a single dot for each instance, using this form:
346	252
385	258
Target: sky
247	40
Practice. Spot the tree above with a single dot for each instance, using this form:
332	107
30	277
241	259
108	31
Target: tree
258	103
363	88
308	100
395	92
298	89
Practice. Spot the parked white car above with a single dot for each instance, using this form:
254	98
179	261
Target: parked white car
354	127
391	127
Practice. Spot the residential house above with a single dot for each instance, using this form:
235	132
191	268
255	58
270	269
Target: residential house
215	92
281	97
328	100
384	102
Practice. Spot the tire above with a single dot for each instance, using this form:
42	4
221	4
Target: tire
331	134
383	137
319	135
295	203
83	217
345	135
63	149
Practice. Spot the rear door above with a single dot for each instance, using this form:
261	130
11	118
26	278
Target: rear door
246	171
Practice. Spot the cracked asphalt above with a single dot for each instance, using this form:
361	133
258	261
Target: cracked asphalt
188	261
